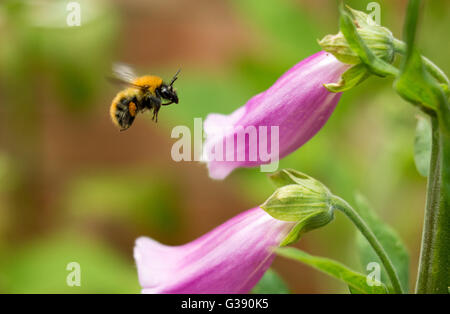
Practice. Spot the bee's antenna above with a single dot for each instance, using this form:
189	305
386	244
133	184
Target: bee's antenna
175	77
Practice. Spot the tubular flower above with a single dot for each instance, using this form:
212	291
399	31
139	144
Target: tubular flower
282	118
229	259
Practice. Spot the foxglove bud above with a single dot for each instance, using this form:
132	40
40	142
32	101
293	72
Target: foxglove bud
379	39
300	199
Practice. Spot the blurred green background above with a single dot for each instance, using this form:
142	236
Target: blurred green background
72	188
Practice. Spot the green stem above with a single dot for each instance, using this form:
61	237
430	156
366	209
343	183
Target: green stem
434	270
433	69
343	206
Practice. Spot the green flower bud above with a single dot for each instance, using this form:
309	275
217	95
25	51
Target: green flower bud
379	39
294	202
301	199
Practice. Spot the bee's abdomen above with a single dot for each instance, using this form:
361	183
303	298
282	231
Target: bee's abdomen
123	111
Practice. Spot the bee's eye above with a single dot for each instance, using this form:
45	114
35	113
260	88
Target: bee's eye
165	92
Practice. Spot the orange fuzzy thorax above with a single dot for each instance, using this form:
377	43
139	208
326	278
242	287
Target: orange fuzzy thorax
151	81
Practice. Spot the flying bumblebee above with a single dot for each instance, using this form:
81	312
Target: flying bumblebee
142	93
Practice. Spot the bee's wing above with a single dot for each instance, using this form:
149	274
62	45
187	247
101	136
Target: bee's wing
122	74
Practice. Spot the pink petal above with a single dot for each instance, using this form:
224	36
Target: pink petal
297	103
229	259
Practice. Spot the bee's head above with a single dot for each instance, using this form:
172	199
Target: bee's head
167	91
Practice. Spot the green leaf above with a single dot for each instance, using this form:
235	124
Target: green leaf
357	281
388	238
422	146
271	283
351	78
375	65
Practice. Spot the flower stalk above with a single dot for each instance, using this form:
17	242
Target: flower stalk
434	272
433	69
345	208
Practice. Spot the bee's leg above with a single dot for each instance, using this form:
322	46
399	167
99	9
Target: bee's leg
153	103
155	112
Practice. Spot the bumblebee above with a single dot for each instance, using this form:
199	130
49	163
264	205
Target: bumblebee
142	93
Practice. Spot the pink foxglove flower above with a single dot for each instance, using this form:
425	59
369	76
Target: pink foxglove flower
229	259
275	122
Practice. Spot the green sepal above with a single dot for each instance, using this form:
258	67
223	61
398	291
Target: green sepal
374	64
291	176
308	223
361	18
351	78
379	42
